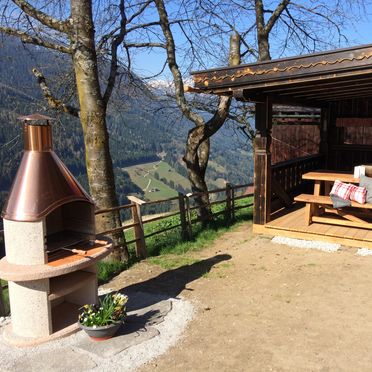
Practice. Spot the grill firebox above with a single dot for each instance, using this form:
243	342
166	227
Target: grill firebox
51	250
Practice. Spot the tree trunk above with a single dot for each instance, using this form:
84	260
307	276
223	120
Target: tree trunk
262	34
263	47
93	120
197	155
196	160
198	144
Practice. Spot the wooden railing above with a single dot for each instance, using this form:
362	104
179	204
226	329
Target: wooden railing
289	173
184	207
345	157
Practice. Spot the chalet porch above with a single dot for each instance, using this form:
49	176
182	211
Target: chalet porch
291	224
337	85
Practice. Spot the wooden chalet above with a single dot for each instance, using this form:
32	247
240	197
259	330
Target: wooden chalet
339	84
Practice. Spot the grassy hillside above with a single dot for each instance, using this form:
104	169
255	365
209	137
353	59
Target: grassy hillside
158	180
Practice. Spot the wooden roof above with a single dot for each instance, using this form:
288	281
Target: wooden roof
311	80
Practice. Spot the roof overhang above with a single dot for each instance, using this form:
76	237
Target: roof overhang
310	80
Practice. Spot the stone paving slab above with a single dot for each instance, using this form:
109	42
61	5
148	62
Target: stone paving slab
151	315
129	335
137	329
56	360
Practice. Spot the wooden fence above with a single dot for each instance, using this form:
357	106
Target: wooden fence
289	173
185	209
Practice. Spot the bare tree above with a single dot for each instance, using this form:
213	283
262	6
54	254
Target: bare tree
296	25
95	34
69	28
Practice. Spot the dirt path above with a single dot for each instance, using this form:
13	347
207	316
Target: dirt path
262	307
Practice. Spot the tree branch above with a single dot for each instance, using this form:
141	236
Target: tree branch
260	21
45	19
276	14
145	45
172	63
53	101
36	40
139	11
118	39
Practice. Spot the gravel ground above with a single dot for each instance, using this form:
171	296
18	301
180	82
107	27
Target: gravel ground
66	355
307	244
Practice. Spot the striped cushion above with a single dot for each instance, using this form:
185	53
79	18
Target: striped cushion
342	190
358	194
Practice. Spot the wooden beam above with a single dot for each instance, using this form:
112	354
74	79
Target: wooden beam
310	87
331	64
341	91
262	163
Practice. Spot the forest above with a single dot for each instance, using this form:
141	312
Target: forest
139	130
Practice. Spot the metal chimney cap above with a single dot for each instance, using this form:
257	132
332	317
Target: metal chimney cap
35	117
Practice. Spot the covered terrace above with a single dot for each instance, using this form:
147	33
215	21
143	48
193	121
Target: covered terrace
337	82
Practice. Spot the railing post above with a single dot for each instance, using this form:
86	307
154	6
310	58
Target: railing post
183	218
2	307
141	249
188	213
233	203
228	211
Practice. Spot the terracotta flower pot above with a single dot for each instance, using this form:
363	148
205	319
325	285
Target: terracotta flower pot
101	333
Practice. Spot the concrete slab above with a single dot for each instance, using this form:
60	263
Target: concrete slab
137	328
150	315
62	360
130	334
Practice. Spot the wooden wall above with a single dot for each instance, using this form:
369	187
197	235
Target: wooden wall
351	145
294	141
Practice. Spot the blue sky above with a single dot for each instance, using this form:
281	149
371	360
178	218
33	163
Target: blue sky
149	63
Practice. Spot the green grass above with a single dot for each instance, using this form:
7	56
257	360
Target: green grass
141	175
107	270
216	166
163	248
5	297
166	171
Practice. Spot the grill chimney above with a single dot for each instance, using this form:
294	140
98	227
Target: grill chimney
43	183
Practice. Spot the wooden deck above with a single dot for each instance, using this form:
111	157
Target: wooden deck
291	223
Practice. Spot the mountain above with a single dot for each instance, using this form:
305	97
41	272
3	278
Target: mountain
140	126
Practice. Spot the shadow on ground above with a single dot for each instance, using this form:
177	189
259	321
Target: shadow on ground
170	283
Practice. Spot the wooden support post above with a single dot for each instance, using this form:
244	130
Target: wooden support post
228	210
262	163
188	214
324	140
139	234
183	218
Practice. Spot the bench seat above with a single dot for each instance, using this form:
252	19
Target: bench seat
315	205
326	200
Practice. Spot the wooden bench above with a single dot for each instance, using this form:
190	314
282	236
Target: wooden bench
317	204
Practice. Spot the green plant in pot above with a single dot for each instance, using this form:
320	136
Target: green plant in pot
102	321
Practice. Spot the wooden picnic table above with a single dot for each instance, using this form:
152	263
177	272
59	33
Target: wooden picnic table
317	204
328	178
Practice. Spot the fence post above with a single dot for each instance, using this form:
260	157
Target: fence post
233	203
183	218
2	307
139	234
228	211
188	213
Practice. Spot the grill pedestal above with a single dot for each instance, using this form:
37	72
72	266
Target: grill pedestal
50	245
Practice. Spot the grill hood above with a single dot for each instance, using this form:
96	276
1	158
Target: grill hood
42	183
